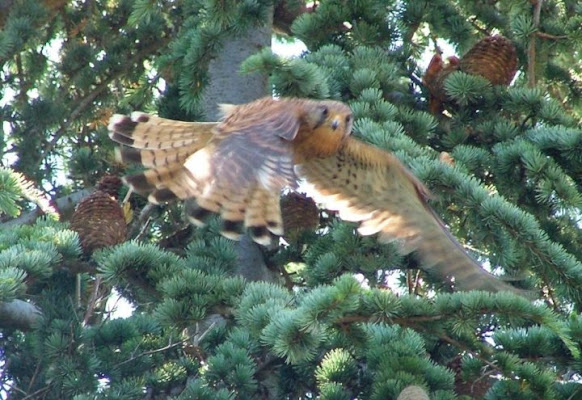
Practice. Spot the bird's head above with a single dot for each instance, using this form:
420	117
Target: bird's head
326	124
331	117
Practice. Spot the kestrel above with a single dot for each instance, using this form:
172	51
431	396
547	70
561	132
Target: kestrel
237	168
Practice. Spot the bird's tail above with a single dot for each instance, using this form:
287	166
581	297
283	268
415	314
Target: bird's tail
257	210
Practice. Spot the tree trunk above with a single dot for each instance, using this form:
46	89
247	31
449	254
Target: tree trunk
228	86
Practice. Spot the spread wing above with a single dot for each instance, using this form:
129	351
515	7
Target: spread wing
157	142
235	168
371	186
250	161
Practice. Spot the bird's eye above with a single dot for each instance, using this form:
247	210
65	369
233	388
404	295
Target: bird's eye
348	119
324	112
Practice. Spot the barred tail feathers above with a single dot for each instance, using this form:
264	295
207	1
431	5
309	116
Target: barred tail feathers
258	211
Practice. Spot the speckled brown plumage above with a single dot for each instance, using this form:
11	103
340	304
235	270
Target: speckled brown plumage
238	167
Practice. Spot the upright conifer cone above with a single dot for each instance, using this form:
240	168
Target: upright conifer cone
494	58
99	219
299	212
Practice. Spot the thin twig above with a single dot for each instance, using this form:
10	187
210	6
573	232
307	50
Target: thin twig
143	229
33	394
544	35
78	290
475	354
550	292
20	73
127	196
34	375
475	250
486	374
92	300
102	87
150	352
473	21
531	51
203	335
417	282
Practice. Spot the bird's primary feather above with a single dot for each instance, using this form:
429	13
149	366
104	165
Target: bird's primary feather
372	187
157	142
150	132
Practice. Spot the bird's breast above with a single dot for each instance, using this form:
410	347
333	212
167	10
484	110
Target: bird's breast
322	142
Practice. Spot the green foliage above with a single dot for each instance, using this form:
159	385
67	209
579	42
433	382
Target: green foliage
466	89
31	254
14	188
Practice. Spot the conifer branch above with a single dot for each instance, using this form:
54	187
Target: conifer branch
531	51
88	100
544	35
541	255
150	352
65	206
36	196
258	339
92	300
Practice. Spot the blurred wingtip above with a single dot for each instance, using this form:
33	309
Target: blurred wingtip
226	109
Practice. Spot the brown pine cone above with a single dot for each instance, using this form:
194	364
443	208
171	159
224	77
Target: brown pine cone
413	392
110	184
99	221
476	388
286	11
300	213
494	58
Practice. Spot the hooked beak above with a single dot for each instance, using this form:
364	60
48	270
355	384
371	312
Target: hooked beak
335	124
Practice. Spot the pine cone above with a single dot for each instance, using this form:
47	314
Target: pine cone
300	213
476	389
99	220
286	11
110	184
413	392
494	58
